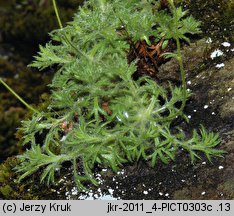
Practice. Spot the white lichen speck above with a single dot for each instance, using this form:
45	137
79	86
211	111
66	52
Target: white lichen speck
220	65
216	53
209	40
226	44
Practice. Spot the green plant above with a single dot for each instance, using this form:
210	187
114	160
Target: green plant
98	113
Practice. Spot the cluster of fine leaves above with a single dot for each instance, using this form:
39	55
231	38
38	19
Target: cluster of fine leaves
98	113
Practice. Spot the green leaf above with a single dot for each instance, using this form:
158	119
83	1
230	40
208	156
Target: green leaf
169	55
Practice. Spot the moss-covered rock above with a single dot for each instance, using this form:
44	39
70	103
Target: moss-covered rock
25	24
10	188
30	85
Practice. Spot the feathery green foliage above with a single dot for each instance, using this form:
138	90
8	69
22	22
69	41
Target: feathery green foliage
98	113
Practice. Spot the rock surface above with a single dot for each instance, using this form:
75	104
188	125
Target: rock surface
212	104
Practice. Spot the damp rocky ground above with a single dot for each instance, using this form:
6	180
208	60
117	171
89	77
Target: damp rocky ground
209	64
210	78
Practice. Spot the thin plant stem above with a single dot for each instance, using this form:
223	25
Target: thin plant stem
180	60
18	97
57	14
182	72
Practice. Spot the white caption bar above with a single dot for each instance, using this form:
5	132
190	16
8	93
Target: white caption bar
91	208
